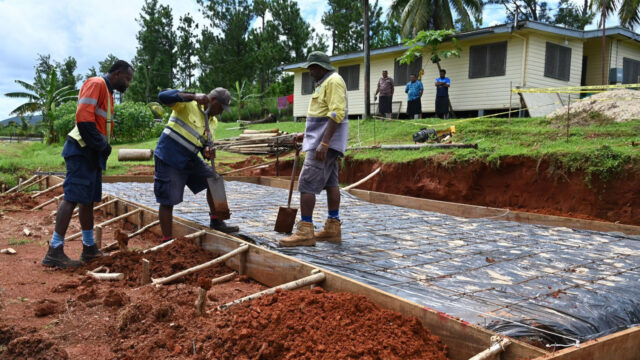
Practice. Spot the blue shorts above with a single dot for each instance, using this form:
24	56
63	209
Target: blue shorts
83	183
318	175
169	182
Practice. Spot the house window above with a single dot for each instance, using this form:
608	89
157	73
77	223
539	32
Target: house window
487	60
557	62
307	83
630	71
351	76
401	72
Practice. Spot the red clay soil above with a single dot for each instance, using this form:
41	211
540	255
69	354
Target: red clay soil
520	184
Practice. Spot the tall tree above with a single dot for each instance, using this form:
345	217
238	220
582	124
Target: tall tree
417	15
344	19
574	16
628	11
43	96
105	65
155	58
225	58
187	50
296	34
67	69
526	9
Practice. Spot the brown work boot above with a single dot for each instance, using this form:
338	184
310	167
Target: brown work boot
332	232
302	237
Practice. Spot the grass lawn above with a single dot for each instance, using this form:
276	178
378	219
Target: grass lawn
601	148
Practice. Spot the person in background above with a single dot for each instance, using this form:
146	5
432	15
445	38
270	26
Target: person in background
414	90
385	88
85	155
442	95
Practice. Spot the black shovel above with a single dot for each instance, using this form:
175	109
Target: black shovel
287	215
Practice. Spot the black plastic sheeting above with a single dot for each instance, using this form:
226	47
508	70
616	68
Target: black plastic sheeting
547	285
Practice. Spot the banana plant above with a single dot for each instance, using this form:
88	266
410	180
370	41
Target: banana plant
241	96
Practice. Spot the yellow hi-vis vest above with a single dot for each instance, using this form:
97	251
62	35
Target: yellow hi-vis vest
186	126
89	110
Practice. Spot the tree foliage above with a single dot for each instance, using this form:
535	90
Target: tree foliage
574	16
186	51
155	59
417	15
432	40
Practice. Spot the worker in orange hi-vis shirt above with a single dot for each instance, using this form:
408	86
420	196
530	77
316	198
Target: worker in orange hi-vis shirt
85	154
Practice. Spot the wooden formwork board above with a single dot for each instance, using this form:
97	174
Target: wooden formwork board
623	345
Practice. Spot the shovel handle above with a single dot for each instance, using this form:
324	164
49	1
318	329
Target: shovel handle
293	175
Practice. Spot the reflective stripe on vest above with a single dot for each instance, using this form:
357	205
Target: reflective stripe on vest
75	133
188	128
180	140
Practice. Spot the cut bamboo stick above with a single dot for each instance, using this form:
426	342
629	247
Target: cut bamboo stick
265	131
76	211
167	243
108	222
309	280
347	188
28	182
223	278
103	276
47	202
201	301
46	190
206	265
144	228
98	236
496	348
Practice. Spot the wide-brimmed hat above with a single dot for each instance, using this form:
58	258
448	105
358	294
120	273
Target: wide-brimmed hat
223	96
319	58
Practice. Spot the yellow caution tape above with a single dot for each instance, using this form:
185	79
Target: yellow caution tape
575	88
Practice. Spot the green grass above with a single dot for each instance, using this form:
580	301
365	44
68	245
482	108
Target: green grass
17	242
600	150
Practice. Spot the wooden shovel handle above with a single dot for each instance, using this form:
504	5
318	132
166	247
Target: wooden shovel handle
293	175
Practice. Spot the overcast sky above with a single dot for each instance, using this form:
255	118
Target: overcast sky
88	30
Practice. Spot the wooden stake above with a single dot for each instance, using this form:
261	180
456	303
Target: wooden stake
145	278
158	247
98	236
21	184
223	278
309	280
510	96
242	263
47	202
201	302
46	190
140	219
206	265
144	228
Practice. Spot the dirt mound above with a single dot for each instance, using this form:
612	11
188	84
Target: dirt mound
180	255
17	201
46	307
310	324
617	105
26	344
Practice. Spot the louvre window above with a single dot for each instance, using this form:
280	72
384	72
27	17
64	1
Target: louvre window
630	71
307	84
557	63
487	60
401	72
351	76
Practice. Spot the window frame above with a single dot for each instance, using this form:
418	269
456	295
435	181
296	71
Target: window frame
548	71
306	76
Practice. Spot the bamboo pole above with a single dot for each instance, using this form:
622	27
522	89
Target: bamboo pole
306	281
206	265
47	202
223	278
46	190
497	347
144	228
167	243
347	188
254	166
201	301
76	211
108	222
103	276
25	183
98	236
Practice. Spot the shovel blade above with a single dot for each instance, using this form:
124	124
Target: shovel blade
285	220
216	186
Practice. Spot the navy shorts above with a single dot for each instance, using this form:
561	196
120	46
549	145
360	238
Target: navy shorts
169	182
83	183
318	175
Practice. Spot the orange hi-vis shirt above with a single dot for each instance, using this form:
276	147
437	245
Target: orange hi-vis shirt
93	100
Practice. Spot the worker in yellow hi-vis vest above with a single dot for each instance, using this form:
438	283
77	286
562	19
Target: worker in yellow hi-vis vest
85	154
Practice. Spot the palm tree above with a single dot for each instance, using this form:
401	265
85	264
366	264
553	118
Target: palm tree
43	96
416	15
628	11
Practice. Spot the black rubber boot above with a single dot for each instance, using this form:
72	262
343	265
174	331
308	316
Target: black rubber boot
57	258
221	226
90	253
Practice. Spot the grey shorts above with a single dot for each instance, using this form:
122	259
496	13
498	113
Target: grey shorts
317	175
